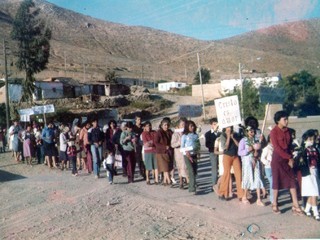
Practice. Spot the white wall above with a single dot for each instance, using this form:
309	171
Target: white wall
163	87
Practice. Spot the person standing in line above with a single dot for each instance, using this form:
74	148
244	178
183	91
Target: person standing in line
210	138
2	141
108	165
149	152
111	130
309	165
72	156
39	145
48	137
178	155
164	151
95	139
138	129
128	141
251	177
118	147
266	158
190	145
28	145
63	140
229	143
283	176
15	133
85	145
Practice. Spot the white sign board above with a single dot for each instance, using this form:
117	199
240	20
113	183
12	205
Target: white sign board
43	109
26	111
228	111
24	118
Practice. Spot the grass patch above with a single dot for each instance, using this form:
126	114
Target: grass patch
140	104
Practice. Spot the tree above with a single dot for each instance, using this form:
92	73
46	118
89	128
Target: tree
205	75
33	39
111	77
251	100
302	94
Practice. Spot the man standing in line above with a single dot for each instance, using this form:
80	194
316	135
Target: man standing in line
211	137
95	138
138	129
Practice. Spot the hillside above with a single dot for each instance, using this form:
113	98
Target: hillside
90	47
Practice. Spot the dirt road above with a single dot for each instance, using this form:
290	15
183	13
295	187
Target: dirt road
39	203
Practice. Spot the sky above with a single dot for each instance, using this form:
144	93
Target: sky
200	19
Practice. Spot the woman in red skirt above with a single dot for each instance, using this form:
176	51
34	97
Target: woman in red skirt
283	176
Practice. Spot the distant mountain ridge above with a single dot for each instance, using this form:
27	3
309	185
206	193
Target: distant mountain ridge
90	47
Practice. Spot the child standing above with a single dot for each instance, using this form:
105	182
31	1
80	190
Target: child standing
309	165
266	158
72	156
108	164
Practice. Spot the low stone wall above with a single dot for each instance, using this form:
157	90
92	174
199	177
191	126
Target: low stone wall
299	124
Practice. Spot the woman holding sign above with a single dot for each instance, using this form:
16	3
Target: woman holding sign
229	143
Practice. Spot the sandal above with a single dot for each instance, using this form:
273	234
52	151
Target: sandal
275	209
297	211
260	203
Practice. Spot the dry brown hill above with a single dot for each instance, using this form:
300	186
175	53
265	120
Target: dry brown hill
90	47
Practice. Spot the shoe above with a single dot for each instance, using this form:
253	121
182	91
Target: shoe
156	183
222	198
297	211
148	182
173	180
96	176
245	201
110	183
260	203
308	214
181	185
317	217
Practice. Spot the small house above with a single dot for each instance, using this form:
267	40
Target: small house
165	87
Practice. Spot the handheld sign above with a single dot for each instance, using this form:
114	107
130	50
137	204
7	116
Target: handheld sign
272	95
189	111
228	111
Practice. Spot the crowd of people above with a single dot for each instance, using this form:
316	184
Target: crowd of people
259	166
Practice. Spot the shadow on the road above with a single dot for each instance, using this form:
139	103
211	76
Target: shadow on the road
7	176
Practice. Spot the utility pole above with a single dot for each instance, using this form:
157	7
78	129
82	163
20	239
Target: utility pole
185	73
7	83
241	90
203	109
65	64
84	71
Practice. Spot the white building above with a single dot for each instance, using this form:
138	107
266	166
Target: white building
230	82
164	87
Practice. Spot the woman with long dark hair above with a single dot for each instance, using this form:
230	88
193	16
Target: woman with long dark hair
190	146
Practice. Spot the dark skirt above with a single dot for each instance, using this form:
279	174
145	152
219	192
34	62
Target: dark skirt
283	176
49	149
